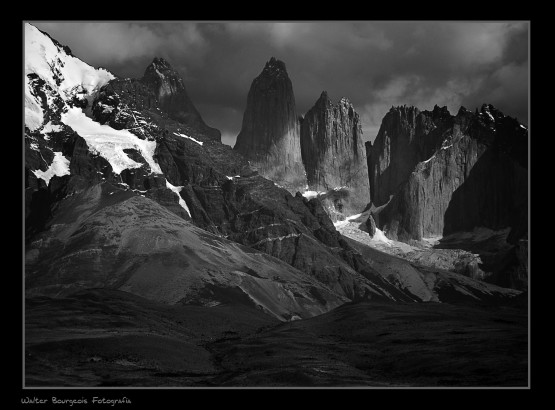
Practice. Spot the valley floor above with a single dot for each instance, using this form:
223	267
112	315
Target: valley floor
113	338
466	253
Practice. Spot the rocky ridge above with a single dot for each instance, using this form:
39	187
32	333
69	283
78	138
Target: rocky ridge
435	174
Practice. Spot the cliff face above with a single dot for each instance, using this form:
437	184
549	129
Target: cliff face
477	177
169	90
269	136
406	137
333	151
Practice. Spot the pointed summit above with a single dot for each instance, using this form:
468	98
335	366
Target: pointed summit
275	64
160	62
169	88
324	98
269	136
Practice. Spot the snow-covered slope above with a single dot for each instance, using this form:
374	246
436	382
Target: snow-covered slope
110	143
57	68
59	89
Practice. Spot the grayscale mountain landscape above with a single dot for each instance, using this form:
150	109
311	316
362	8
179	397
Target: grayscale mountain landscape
320	224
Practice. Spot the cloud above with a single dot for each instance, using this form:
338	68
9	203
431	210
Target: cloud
477	44
115	43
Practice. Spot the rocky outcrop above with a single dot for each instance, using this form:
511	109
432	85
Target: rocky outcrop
371	226
333	152
169	89
477	177
269	136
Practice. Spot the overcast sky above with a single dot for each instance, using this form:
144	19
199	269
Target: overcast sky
374	64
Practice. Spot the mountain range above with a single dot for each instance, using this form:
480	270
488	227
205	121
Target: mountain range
130	196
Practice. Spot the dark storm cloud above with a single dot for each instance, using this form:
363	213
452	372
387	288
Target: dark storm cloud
374	64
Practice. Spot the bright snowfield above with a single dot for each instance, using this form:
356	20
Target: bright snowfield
44	58
42	55
177	190
313	194
186	136
110	143
350	228
48	128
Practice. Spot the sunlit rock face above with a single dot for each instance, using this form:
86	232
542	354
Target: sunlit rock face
440	174
334	154
269	136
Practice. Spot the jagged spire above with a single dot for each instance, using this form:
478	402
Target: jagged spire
275	65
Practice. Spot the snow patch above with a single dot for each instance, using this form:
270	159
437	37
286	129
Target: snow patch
279	238
432	241
177	190
191	138
59	167
357	216
312	194
490	116
110	143
48	128
380	237
340	224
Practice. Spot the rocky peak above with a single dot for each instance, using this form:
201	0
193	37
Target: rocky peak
333	151
345	102
489	113
169	88
159	71
274	67
463	111
269	136
324	99
440	113
273	77
159	62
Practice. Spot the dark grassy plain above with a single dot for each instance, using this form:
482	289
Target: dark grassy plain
113	338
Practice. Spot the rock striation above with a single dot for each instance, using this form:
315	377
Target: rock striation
269	136
333	151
